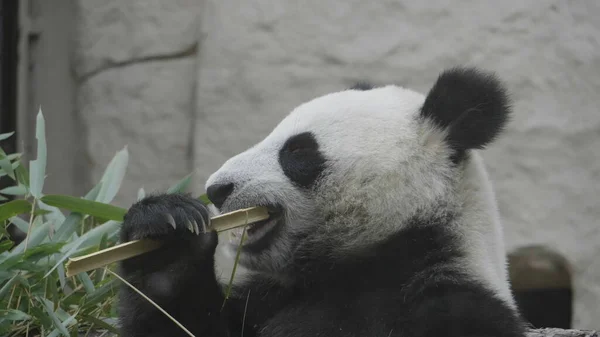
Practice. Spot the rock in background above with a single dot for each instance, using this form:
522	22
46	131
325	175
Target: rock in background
135	62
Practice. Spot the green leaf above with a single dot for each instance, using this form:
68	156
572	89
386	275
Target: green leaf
6	166
37	167
90	238
22	175
42	250
66	322
4	136
103	244
68	227
36	236
100	324
181	185
14	315
14	207
20	223
5	245
204	199
28	258
88	285
50	311
101	294
51	212
8	285
113	176
62	279
41	316
14	190
69	224
93	208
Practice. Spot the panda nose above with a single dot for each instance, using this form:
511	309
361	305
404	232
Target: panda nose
218	193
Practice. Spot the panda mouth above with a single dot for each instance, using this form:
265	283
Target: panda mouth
257	230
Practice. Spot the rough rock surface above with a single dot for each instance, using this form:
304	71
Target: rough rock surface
115	32
136	68
259	60
146	107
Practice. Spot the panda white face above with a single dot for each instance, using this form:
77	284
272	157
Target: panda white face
345	170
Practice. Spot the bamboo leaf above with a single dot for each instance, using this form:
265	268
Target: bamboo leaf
51	212
4	136
14	190
5	245
92	237
88	285
181	185
100	323
50	310
66	322
14	315
6	166
22	175
8	285
113	176
37	167
69	225
204	199
93	208
35	237
20	223
14	207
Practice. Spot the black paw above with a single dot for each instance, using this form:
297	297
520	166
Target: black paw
165	216
181	223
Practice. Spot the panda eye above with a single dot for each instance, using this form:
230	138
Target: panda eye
300	143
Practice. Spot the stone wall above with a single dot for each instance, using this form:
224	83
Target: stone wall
135	63
146	74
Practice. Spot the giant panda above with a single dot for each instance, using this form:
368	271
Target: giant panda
382	223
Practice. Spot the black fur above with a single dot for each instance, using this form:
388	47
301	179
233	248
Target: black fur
362	86
473	106
408	285
301	160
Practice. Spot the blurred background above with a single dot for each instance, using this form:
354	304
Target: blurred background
185	84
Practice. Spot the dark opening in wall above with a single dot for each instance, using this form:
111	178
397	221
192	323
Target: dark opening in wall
541	282
9	37
9	44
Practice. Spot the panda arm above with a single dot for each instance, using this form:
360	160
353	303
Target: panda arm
179	276
464	310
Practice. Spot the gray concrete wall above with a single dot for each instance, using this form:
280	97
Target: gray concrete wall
182	95
135	62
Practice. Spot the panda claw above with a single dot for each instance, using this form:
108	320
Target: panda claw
196	228
204	227
189	225
171	220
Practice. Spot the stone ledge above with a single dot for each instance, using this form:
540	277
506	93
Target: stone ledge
547	332
554	332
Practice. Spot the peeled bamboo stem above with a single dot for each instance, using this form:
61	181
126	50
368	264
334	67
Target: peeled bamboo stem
130	249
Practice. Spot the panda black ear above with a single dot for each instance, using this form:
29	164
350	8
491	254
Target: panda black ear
470	105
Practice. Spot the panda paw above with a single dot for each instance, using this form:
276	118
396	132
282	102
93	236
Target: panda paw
171	218
183	261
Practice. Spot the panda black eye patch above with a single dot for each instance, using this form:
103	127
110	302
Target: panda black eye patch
301	160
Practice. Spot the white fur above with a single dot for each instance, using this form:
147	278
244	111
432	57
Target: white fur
369	136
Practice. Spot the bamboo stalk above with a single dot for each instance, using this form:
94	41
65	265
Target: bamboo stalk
130	249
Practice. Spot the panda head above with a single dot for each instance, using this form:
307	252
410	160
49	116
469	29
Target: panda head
346	170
